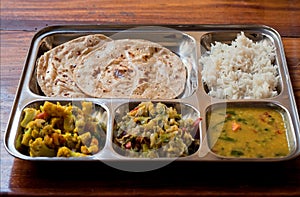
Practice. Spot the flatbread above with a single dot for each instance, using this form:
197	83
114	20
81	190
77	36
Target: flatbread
55	67
132	68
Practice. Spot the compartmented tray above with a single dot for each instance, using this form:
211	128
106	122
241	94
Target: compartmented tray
189	42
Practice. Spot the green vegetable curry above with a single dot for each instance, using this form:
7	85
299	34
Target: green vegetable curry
247	132
62	131
155	130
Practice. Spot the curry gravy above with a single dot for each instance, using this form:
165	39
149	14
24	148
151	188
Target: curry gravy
247	132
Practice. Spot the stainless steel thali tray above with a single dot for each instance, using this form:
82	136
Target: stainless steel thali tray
187	41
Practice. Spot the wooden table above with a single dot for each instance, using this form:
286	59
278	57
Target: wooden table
20	20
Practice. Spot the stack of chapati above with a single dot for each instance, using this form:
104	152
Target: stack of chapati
96	66
55	67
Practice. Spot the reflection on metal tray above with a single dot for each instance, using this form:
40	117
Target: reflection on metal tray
189	42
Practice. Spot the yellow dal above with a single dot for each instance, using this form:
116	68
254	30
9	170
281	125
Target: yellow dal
247	132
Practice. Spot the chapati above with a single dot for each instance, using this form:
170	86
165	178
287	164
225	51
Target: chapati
131	68
55	67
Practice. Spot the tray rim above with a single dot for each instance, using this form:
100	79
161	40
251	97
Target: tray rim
195	27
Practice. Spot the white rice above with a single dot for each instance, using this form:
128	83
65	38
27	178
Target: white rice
242	70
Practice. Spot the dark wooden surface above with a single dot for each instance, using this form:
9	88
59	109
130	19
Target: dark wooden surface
20	20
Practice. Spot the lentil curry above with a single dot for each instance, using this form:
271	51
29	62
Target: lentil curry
247	132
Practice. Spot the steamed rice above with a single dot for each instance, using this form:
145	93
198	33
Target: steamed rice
243	69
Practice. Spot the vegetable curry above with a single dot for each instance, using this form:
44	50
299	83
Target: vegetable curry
156	130
247	132
54	130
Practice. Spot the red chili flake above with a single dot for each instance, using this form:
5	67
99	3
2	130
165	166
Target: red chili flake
128	145
42	115
235	126
227	115
279	131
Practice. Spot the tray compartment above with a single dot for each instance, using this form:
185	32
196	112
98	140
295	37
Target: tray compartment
81	128
183	45
227	37
156	129
255	130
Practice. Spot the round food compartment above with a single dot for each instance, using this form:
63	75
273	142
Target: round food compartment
240	65
255	130
61	129
156	130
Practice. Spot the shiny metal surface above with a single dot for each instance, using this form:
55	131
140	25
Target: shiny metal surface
187	41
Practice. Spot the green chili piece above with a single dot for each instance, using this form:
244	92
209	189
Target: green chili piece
236	153
229	139
231	113
242	120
